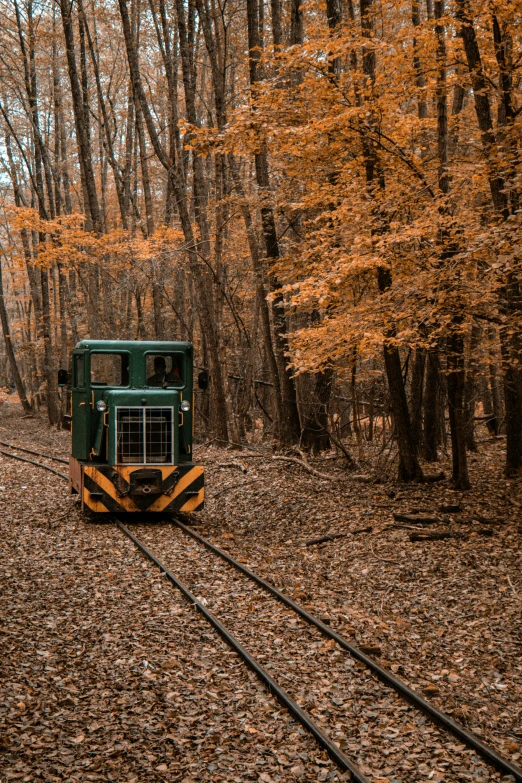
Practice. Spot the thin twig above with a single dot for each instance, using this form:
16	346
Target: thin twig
384	559
308	468
512	587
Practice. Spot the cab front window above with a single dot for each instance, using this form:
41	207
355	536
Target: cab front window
109	369
163	370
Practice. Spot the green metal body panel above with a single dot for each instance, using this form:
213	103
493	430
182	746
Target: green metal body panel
89	433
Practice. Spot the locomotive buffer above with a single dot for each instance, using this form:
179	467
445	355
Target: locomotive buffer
130	408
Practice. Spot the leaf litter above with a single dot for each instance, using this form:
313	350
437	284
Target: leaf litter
109	675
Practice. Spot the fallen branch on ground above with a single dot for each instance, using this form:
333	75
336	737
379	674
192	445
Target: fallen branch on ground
237	465
435	536
417	519
368	529
324	539
308	468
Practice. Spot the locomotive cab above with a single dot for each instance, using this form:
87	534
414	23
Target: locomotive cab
131	416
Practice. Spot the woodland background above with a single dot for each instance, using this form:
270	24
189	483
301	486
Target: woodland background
323	197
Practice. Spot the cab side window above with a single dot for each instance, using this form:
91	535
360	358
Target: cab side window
109	369
79	372
164	369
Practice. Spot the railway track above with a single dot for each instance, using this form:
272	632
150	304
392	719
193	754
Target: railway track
344	677
12	446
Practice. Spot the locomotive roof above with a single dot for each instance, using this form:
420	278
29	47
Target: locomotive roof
134	345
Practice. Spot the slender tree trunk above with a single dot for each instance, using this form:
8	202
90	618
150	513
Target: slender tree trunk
417	393
409	466
290	426
470	390
432	406
511	356
9	349
149	215
496	393
420	81
261	293
315	436
455	362
53	411
81	120
501	196
277	34
456	385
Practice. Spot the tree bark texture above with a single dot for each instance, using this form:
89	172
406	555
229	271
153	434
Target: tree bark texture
289	425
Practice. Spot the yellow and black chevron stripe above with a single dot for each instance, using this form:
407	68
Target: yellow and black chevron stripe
107	488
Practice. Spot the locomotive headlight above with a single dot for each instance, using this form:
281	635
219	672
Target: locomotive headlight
185	406
101	406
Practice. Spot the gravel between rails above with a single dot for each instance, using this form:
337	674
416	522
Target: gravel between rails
387	738
109	675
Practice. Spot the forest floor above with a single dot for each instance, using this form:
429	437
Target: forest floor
97	685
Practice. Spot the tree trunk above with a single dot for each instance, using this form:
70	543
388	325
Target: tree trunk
511	356
432	406
456	384
261	294
420	81
455	363
9	349
315	436
409	466
53	409
510	295
496	393
417	393
470	391
81	122
290	426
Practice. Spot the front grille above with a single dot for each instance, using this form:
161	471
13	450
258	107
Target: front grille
144	436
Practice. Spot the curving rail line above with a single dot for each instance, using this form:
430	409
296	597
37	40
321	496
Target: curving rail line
35	453
338	756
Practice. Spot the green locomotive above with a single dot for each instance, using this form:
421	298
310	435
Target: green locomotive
131	415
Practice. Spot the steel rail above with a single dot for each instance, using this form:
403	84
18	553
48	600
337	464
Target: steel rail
36	453
488	753
336	754
38	464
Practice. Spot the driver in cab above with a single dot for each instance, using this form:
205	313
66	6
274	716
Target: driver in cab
161	377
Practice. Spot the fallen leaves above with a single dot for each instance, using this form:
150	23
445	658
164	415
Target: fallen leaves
447	611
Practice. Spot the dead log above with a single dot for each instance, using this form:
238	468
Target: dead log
417	519
438	535
238	465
